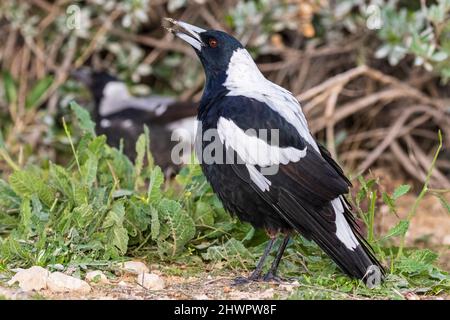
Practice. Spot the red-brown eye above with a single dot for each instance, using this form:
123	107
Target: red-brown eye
212	42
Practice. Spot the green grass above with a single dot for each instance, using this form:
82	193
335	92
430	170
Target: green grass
101	208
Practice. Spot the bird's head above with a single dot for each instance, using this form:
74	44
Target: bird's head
91	78
98	82
214	48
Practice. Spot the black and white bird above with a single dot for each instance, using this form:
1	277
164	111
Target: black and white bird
306	194
120	115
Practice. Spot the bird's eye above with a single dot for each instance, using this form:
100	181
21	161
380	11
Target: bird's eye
212	42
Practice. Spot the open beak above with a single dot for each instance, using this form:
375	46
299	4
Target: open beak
187	32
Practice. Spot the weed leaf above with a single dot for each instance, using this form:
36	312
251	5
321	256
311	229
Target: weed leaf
85	122
34	96
398	230
400	191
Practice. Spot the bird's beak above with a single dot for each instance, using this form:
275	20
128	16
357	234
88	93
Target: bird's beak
187	32
84	75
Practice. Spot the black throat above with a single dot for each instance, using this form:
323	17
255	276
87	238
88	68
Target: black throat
214	90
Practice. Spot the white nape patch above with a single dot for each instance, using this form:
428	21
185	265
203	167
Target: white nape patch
258	178
252	150
105	123
184	129
116	98
245	79
343	230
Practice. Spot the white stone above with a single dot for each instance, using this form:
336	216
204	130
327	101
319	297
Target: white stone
135	267
150	281
34	278
60	282
96	276
446	240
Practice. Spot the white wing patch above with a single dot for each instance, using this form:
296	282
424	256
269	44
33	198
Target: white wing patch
245	79
343	230
117	98
253	150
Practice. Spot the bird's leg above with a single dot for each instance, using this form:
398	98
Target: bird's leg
271	275
256	274
258	270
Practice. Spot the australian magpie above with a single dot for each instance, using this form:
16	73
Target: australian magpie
289	186
119	115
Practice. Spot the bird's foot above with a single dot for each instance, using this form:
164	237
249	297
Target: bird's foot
239	281
254	277
272	277
268	277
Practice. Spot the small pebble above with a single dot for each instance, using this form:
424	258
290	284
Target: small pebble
150	281
60	282
34	278
96	276
135	267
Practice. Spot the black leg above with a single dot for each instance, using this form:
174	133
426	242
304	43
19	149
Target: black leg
256	274
258	270
272	273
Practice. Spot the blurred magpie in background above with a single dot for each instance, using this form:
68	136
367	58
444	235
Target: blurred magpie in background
306	194
119	115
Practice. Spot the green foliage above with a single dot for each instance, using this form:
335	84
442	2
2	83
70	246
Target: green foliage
36	93
405	28
10	88
92	211
414	270
101	206
400	191
232	251
84	118
409	267
33	96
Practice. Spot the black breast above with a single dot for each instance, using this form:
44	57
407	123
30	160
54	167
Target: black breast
237	196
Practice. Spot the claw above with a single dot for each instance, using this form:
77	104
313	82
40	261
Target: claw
270	277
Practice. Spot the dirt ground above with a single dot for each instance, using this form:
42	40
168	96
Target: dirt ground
201	287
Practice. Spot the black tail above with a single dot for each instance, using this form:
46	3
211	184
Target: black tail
335	230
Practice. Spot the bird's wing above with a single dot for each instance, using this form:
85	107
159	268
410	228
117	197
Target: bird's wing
287	106
307	187
327	156
298	167
282	102
115	102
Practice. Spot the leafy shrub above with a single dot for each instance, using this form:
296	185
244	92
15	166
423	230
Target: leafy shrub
404	28
101	206
93	209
